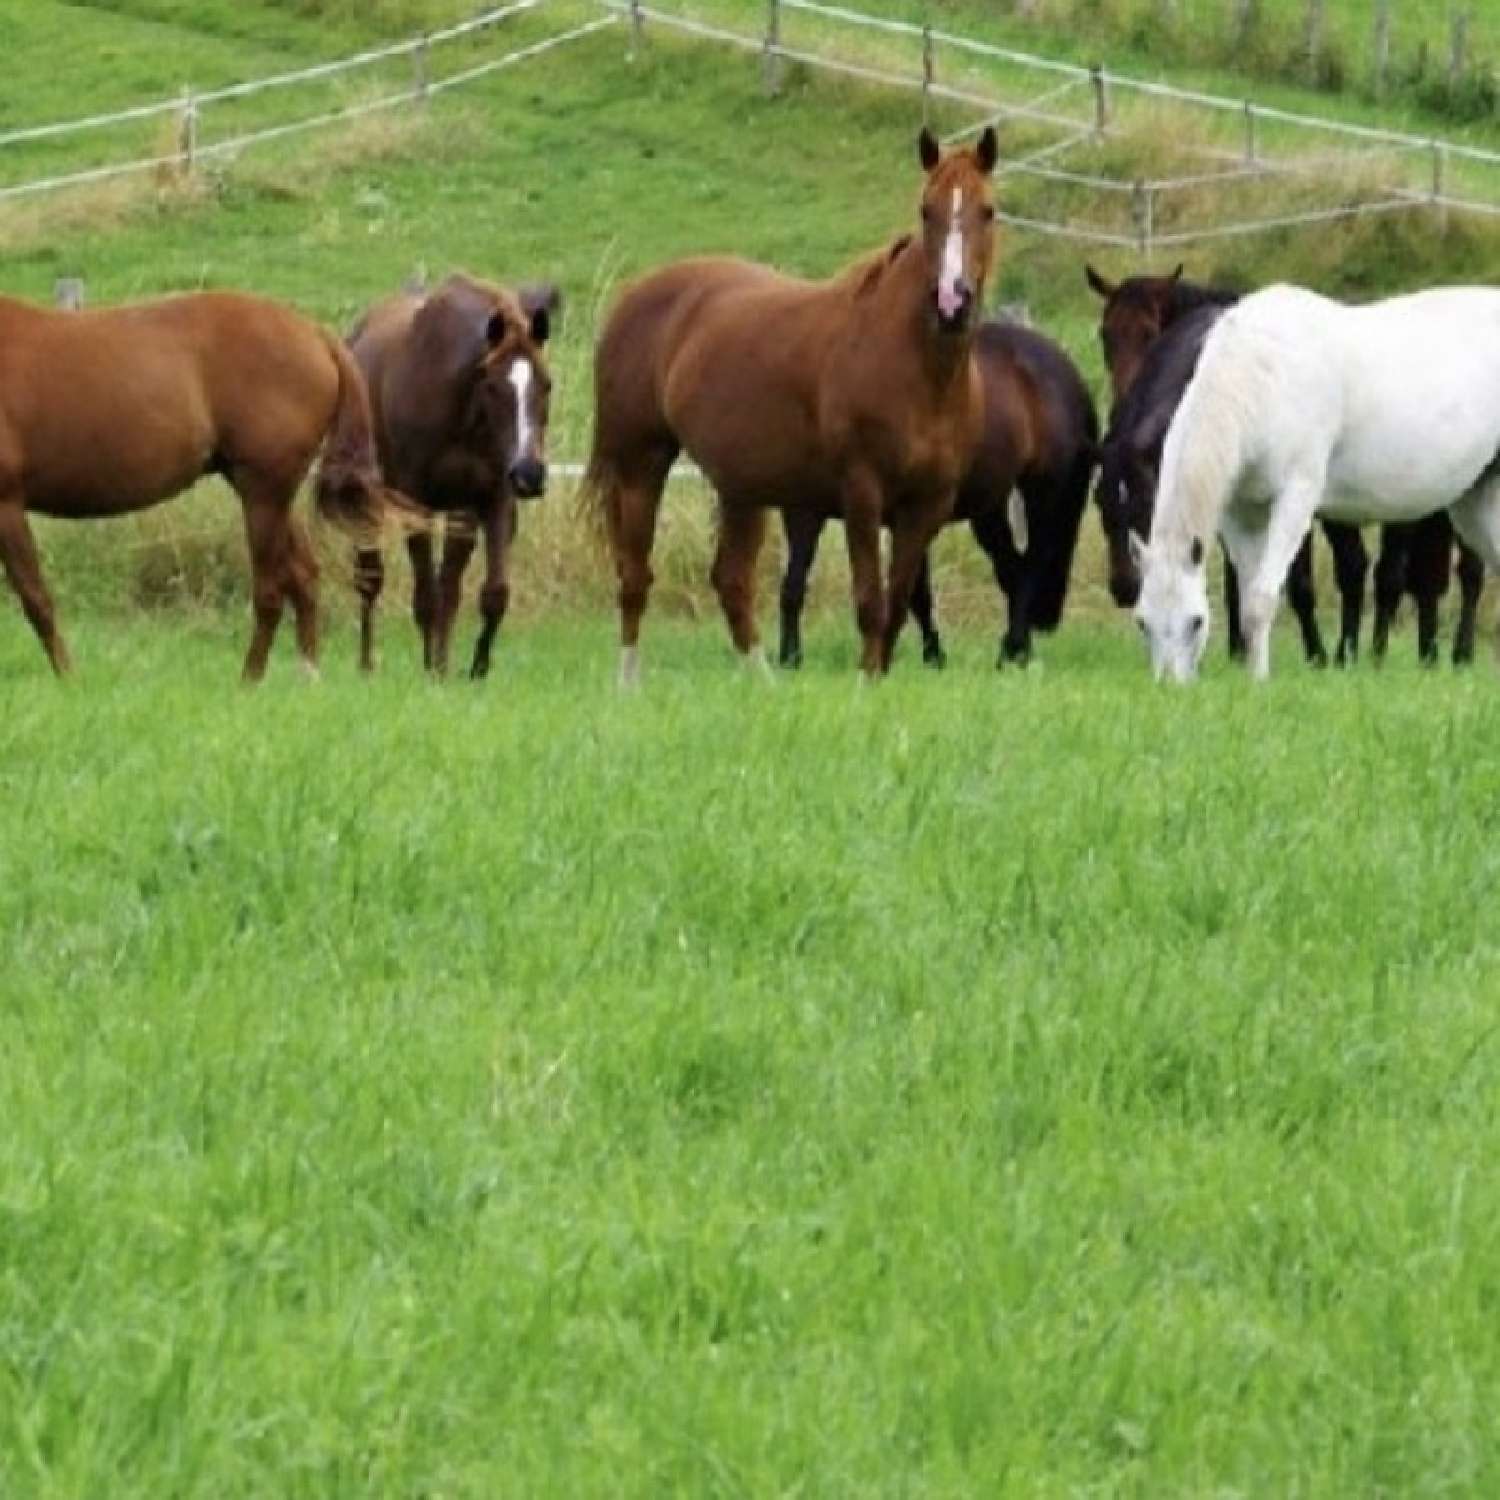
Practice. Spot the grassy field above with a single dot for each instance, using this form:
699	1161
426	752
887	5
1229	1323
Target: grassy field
1025	1084
985	1083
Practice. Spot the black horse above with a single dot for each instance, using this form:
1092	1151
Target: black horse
1040	438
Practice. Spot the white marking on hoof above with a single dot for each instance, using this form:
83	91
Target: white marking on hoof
630	666
757	664
311	671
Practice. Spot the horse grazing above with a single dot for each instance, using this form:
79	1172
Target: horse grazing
112	410
1300	406
460	388
1040	431
857	397
1130	459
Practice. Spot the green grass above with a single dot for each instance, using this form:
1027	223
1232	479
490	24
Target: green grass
1007	1084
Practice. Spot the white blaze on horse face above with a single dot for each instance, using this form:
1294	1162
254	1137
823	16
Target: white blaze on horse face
1172	613
520	379
951	274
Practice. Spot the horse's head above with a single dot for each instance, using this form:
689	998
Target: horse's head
958	227
1136	311
1173	608
1125	494
508	403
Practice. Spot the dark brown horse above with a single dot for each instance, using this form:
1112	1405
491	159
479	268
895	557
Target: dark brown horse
856	397
109	411
1040	432
460	390
1151	330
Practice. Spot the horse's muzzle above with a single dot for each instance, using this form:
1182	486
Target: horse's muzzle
528	479
1125	589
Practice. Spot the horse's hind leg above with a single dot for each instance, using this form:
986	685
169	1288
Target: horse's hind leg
369	579
803	528
1351	563
632	509
269	536
24	569
1390	582
458	547
742	528
1303	598
912	532
1013	577
1470	586
302	587
423	592
924	613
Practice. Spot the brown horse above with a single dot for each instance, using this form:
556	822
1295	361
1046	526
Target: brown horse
856	397
460	390
110	411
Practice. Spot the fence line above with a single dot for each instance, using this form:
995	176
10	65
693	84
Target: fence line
411	94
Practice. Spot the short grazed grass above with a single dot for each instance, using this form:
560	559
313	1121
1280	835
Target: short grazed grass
984	1083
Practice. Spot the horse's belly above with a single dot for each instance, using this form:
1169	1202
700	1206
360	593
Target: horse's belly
1393	480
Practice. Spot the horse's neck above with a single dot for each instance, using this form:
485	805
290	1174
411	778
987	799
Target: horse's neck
899	305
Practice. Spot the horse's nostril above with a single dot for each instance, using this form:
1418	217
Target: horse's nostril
528	478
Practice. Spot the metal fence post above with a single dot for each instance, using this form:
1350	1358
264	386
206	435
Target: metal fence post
1101	98
770	56
187	132
927	74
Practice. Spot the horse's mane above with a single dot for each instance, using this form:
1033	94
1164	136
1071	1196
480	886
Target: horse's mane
1189	295
865	274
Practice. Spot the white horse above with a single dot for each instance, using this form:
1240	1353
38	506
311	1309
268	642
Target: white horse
1304	406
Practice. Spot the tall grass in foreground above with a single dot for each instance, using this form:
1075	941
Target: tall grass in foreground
986	1083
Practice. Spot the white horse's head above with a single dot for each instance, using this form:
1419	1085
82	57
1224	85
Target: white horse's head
1173	607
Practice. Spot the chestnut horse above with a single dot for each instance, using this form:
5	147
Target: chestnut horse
856	397
460	393
1040	432
109	411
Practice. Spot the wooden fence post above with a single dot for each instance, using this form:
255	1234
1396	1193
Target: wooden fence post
1251	153
1244	14
1101	98
928	71
419	83
68	291
1143	216
1381	65
770	55
637	30
1439	185
1458	49
1313	36
187	133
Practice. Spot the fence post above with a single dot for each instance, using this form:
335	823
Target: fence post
68	291
1458	49
1244	17
419	69
1439	176
637	30
770	67
1143	217
1314	36
187	133
1101	97
927	73
1382	62
1251	154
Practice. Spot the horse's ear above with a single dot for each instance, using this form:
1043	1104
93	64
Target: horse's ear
541	294
928	149
1177	274
1105	289
541	325
987	152
1195	552
494	329
1140	550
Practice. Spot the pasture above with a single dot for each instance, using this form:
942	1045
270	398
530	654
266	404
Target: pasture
1022	1083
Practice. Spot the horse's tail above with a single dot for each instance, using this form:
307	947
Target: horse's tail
1055	525
349	489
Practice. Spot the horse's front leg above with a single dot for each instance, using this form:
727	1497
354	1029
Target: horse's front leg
1351	563
369	579
1264	573
862	498
1013	577
24	569
1303	598
458	547
803	529
1470	586
924	611
913	528
494	597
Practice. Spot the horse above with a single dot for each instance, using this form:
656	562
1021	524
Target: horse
1138	311
1040	431
1301	406
460	391
1130	458
858	396
112	410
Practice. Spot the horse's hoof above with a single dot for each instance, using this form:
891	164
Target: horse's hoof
630	668
1318	660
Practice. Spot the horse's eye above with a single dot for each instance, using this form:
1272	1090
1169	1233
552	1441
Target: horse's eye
1195	626
927	214
987	213
1140	624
